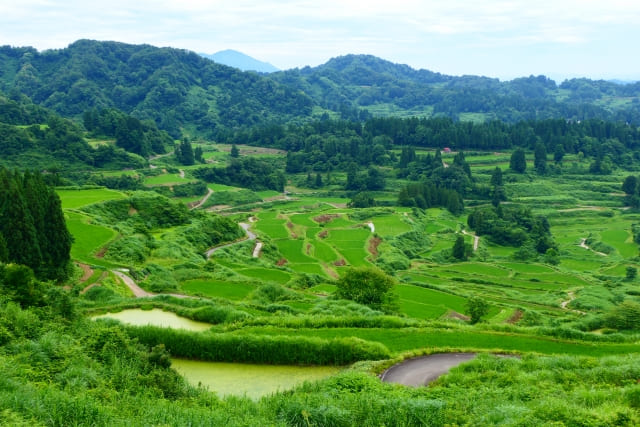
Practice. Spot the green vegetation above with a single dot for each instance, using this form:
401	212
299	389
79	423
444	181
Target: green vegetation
340	239
33	230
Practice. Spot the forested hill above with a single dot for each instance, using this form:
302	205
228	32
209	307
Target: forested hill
187	94
382	87
174	87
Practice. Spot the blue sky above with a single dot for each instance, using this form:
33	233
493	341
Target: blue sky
504	39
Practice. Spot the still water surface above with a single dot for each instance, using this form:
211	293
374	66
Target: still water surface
254	381
155	317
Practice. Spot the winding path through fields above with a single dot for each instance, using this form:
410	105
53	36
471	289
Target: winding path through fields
476	239
423	370
583	244
250	236
564	304
203	200
138	292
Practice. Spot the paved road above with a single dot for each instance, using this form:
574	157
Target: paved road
422	370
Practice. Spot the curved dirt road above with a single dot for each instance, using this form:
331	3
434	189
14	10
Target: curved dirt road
423	370
476	239
250	236
137	290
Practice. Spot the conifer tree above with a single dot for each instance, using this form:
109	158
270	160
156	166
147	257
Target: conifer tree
518	162
33	231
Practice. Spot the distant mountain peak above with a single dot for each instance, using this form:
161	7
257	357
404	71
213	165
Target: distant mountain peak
244	62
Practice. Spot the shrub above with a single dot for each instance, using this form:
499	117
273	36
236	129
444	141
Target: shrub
625	316
368	286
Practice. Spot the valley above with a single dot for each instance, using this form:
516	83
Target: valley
183	243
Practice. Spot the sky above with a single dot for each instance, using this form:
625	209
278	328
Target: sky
505	39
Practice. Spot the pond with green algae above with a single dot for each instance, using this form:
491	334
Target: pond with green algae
155	317
253	381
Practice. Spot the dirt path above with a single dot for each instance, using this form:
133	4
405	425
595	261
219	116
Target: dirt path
158	156
476	239
137	290
86	271
565	303
250	236
256	250
203	200
583	244
423	370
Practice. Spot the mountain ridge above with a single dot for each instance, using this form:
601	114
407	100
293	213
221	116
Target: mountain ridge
187	94
242	61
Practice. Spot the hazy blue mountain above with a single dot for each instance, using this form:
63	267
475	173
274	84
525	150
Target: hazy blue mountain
236	59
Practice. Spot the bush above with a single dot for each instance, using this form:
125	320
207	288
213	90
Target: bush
625	316
368	286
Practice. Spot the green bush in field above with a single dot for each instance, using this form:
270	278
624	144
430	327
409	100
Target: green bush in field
148	208
393	259
342	308
129	249
625	316
367	286
272	292
158	279
477	309
217	314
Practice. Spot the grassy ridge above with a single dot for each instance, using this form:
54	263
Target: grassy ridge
298	350
416	338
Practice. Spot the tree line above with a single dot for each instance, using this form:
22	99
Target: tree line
33	231
246	172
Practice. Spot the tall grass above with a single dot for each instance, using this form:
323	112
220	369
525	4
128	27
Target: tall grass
283	350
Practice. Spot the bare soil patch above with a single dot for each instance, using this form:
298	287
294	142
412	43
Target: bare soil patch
373	245
215	208
86	272
323	219
323	234
341	262
101	252
515	317
456	315
281	262
583	208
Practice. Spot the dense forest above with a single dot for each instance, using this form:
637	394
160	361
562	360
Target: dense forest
172	87
180	90
354	82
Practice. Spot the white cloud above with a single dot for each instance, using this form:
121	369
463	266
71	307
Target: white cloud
454	36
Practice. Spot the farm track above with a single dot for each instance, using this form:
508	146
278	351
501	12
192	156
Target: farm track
250	236
583	244
203	200
476	239
138	292
565	303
